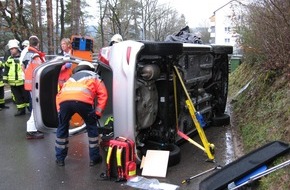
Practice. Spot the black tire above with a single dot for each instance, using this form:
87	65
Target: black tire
222	49
174	153
219	89
162	48
221	120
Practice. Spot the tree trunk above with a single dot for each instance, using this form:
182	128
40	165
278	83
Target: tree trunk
50	36
61	19
77	16
57	27
39	32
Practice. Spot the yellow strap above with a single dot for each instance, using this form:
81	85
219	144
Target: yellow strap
109	154
119	156
206	144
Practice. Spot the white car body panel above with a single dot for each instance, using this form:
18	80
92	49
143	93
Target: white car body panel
124	87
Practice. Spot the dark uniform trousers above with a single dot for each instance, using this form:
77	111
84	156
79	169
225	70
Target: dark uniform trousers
22	97
2	100
67	109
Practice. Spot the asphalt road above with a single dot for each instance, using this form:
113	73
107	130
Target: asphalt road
30	164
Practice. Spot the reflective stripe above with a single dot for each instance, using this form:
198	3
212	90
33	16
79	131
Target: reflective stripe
60	146
132	173
63	140
19	106
93	142
118	154
84	90
28	81
99	110
93	145
109	154
93	139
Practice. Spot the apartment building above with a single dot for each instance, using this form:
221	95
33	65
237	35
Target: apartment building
223	24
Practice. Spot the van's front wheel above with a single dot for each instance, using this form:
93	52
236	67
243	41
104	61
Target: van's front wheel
174	152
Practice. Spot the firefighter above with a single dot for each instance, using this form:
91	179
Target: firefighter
78	95
13	74
116	39
33	58
25	45
65	70
2	100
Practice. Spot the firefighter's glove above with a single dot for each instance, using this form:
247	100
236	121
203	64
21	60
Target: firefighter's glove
68	65
94	115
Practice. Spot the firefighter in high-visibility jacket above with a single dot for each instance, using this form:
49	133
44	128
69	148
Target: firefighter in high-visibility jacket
78	95
14	76
2	91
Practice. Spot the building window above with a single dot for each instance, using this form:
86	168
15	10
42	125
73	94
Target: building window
227	40
227	29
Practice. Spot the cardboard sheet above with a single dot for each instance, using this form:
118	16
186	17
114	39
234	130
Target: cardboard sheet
155	163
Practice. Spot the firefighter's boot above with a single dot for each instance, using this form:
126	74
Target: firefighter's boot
21	111
3	106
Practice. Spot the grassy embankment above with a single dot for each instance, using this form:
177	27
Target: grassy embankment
262	115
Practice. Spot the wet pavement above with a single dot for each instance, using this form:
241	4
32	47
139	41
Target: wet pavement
30	164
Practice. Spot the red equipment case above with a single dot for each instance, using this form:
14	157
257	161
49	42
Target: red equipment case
121	159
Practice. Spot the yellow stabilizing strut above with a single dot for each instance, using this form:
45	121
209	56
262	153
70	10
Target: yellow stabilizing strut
207	147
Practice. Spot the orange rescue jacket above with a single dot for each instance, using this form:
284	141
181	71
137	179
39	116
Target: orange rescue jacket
84	86
37	58
64	75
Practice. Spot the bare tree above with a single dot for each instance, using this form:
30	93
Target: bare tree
13	14
165	22
39	32
50	31
34	12
144	19
57	26
266	35
133	19
103	6
61	19
75	16
76	27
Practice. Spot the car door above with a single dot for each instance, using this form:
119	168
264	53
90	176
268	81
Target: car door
45	88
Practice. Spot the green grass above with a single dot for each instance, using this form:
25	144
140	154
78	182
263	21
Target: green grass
262	114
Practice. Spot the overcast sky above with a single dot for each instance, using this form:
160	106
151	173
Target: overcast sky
196	12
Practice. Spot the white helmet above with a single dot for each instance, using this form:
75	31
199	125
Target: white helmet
87	64
13	44
25	43
84	65
116	39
